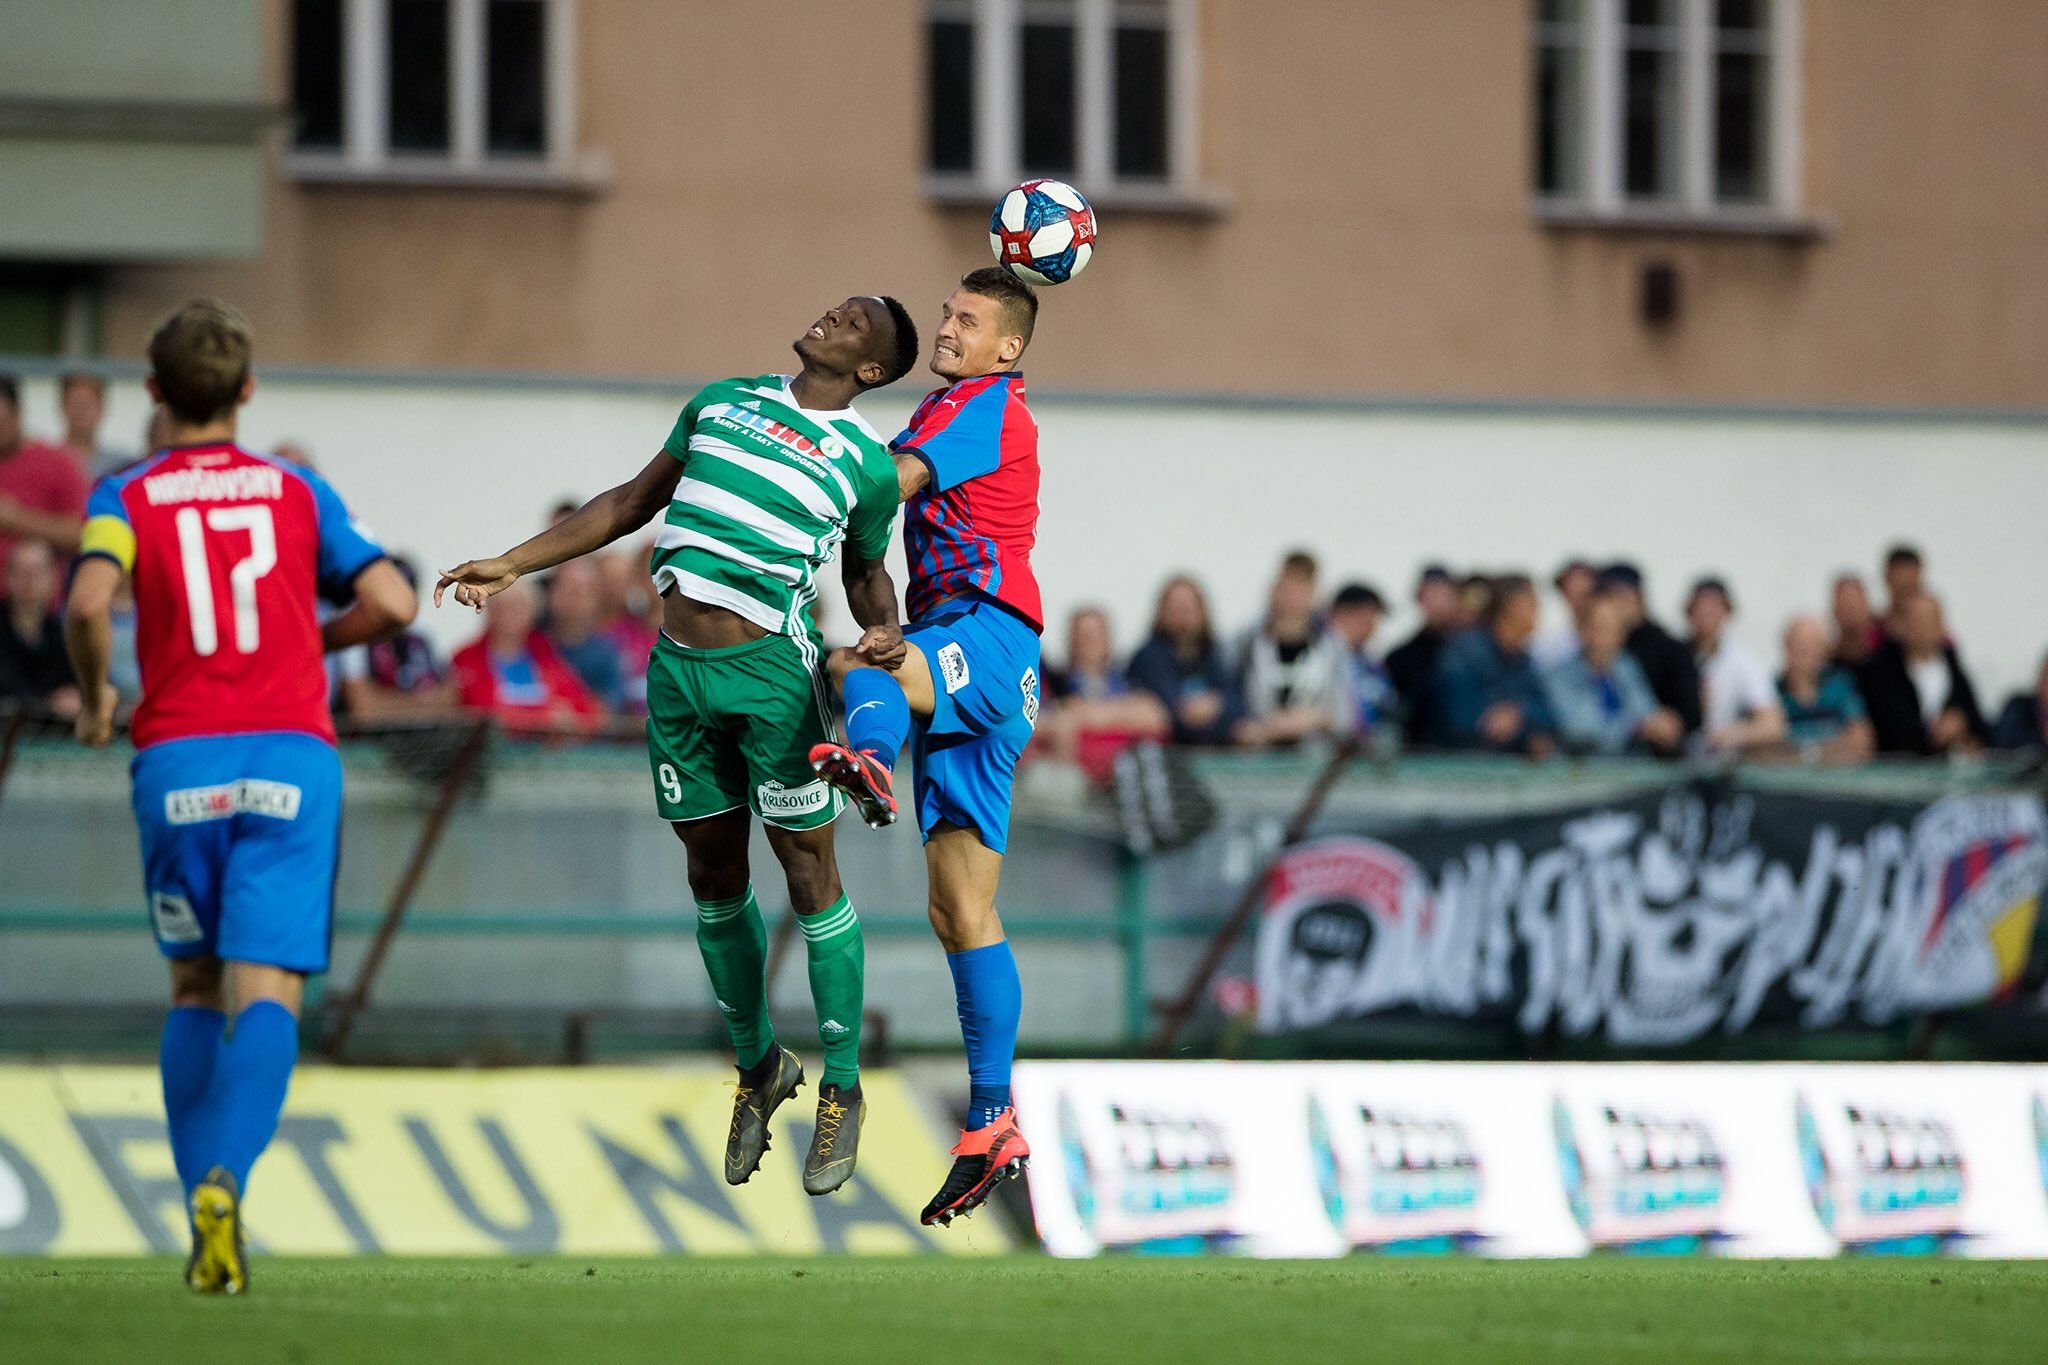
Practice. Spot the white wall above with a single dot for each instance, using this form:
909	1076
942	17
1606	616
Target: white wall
1134	491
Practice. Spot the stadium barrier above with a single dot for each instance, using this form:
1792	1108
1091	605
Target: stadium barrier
593	1161
526	905
1532	1160
1707	907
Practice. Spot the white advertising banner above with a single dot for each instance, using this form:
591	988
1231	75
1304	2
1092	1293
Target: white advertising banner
1324	1159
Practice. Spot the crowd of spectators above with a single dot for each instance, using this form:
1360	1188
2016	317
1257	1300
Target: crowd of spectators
1478	674
568	652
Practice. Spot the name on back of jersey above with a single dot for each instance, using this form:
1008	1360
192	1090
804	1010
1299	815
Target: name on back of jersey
241	483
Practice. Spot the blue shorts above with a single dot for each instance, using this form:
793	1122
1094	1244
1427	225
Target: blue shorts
240	836
984	663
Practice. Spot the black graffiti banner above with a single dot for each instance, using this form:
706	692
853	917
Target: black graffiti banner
1706	908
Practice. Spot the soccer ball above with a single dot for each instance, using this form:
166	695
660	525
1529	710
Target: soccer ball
1043	232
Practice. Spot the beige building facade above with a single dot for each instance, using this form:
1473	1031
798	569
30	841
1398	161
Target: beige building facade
1804	202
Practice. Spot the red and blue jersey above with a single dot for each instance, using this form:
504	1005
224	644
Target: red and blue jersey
971	529
229	552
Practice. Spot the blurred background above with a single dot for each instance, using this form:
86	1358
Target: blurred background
1563	477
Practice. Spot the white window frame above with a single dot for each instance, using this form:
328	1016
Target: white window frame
1603	35
366	153
998	106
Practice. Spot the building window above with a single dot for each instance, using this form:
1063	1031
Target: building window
316	74
432	89
1667	108
1099	92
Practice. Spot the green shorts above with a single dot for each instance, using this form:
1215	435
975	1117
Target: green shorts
732	728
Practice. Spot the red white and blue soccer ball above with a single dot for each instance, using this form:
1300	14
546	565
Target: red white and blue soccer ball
1043	232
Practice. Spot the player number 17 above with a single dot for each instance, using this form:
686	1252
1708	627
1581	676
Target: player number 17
242	574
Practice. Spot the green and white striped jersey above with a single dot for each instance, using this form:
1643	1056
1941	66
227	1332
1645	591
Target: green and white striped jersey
769	488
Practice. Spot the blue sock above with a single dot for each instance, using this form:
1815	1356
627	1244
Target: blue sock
185	1058
249	1084
991	999
877	714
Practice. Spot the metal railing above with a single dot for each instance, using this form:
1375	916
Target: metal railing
491	878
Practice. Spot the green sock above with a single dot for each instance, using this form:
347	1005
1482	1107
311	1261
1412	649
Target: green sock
832	942
734	943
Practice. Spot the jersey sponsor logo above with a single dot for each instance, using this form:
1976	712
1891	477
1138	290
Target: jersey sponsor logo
248	796
1029	685
808	799
173	917
240	484
953	667
788	442
782	433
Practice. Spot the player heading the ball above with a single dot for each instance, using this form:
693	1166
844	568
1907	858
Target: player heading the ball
966	691
759	480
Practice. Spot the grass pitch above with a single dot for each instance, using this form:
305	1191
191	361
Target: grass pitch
1028	1310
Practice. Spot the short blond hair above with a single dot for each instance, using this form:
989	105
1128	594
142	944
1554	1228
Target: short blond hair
200	358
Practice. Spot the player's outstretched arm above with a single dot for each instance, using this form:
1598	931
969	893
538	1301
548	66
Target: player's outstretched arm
89	640
614	513
385	604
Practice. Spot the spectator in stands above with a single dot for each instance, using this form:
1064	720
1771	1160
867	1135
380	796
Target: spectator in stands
1412	663
1905	577
1858	632
2023	724
575	627
1920	698
1291	673
42	489
1666	662
34	671
395	678
1370	702
1181	665
1488	694
1825	720
1599	697
1091	711
1475	600
1575	583
632	618
1738	703
513	672
83	398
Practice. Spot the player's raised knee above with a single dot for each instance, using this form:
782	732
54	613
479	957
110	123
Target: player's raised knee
839	663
